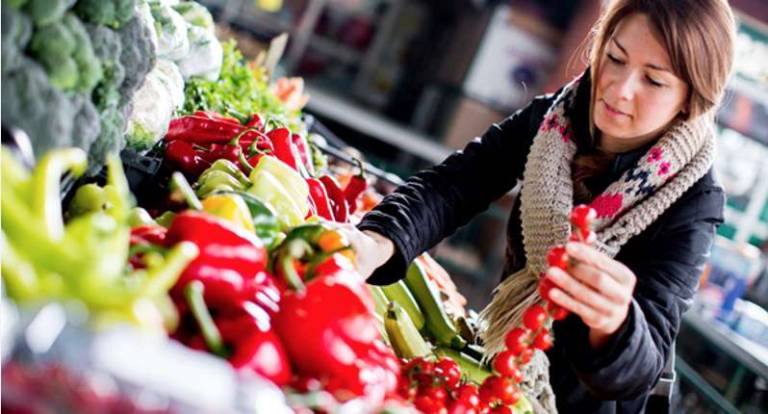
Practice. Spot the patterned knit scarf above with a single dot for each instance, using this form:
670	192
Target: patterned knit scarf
627	206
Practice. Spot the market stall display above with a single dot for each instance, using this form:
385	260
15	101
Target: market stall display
235	256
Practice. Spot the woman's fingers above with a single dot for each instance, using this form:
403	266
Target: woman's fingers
591	316
600	281
580	252
579	291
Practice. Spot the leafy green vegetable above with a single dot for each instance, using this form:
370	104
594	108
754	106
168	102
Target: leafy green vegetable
239	92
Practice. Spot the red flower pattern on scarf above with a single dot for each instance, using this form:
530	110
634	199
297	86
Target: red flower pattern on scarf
607	205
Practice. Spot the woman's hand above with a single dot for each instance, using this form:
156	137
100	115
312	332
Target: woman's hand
371	249
595	287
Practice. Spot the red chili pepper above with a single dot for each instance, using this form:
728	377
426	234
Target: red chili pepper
255	122
183	155
319	197
302	147
217	116
285	150
202	130
231	263
356	185
336	196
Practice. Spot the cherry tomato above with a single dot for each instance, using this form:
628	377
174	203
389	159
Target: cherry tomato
557	257
505	391
450	371
487	390
516	340
504	363
437	393
503	409
556	312
407	390
545	286
428	405
461	407
534	317
543	340
525	356
582	216
468	394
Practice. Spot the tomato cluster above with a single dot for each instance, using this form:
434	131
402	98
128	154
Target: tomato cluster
500	389
434	386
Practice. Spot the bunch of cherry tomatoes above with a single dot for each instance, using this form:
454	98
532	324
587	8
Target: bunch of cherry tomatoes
501	389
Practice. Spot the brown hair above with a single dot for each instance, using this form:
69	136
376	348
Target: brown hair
699	38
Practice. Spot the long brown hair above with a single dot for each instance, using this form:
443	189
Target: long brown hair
699	38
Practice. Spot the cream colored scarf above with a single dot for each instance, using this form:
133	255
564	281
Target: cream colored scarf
678	160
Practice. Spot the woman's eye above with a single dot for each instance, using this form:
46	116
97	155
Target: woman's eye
654	82
614	59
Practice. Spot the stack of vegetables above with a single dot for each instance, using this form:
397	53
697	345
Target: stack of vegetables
94	74
243	263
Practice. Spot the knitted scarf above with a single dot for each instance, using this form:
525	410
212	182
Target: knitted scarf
627	206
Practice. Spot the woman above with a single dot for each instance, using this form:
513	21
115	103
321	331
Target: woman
633	136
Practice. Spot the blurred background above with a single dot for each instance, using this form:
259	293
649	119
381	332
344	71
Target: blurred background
408	82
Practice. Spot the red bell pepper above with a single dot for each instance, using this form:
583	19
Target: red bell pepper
231	263
356	185
241	333
339	344
319	198
337	198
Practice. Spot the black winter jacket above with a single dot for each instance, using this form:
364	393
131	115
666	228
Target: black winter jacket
667	258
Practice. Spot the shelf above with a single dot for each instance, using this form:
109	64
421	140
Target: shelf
375	125
750	354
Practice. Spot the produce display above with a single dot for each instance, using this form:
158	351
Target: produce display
233	267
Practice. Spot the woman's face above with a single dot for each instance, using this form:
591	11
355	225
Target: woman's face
637	94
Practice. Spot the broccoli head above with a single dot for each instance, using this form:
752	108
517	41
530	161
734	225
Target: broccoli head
138	54
112	13
108	48
88	65
31	103
45	12
16	30
64	49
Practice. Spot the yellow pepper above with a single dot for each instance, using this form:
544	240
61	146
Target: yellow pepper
231	208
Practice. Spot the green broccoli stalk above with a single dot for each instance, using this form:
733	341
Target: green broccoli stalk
112	13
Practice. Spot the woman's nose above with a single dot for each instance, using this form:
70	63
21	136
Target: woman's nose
626	87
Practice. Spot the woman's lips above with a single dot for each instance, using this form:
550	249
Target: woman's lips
611	110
